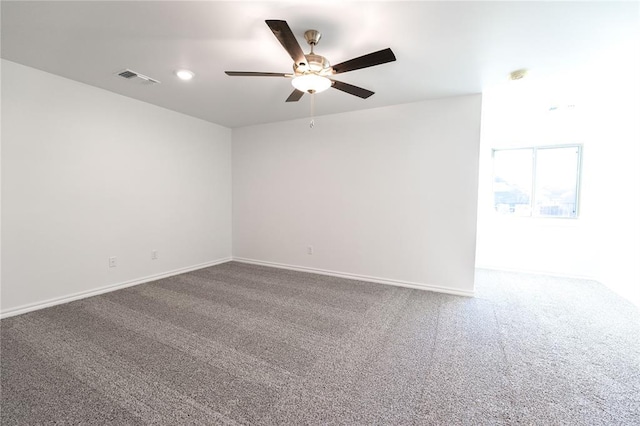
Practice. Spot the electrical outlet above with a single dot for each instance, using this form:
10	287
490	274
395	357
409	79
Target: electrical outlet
112	262
154	254
309	249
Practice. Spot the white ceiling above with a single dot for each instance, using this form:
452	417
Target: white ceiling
442	48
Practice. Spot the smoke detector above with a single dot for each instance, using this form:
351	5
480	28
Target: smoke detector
518	74
136	76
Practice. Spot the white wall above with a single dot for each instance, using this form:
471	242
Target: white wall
614	121
388	193
88	174
604	242
517	115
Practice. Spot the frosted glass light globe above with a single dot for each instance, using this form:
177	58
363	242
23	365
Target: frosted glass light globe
311	83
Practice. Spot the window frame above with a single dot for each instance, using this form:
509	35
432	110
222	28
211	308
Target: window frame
534	151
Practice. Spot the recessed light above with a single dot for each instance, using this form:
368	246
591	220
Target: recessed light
185	74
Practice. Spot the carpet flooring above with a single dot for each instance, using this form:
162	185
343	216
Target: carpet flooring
245	344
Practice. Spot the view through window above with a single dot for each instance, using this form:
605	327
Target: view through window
537	181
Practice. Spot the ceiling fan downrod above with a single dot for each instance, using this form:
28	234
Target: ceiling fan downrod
313	38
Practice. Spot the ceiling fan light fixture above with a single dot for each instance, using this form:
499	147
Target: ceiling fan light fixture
311	83
311	71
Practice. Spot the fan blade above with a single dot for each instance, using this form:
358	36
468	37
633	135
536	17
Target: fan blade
370	60
256	74
351	89
286	38
295	95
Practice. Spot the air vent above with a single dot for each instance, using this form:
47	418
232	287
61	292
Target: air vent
127	74
132	75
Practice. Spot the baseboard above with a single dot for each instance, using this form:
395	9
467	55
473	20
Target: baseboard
531	272
349	276
113	287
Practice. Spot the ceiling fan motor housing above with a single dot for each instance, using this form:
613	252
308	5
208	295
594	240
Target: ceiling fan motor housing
316	64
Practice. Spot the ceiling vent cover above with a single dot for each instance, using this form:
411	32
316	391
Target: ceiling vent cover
132	75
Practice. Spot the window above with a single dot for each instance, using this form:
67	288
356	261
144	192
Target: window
537	181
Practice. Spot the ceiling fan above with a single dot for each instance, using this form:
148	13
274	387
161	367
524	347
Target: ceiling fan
311	72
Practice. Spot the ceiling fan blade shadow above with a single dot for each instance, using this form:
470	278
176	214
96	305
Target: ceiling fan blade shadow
256	74
351	89
285	36
295	95
372	59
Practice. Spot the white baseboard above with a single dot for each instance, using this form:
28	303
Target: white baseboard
113	287
349	276
532	272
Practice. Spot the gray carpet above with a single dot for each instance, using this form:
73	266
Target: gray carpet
243	344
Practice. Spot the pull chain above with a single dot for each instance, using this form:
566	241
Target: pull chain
313	107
